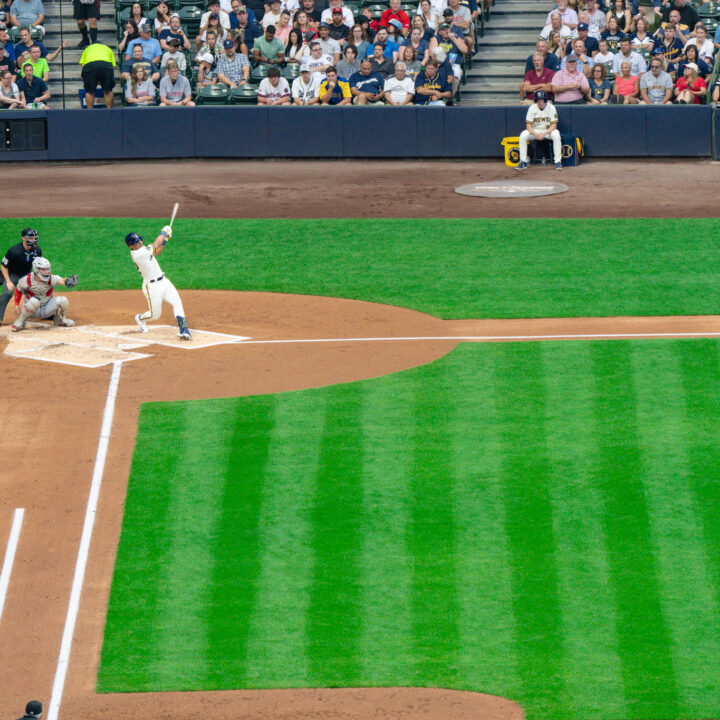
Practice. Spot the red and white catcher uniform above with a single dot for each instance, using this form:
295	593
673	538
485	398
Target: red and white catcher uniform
40	299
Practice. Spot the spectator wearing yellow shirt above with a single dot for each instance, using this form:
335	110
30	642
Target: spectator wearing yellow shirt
334	90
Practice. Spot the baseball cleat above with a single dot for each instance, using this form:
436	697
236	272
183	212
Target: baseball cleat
522	166
15	329
141	325
558	166
185	335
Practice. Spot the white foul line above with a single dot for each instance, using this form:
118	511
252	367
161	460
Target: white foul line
480	338
78	579
10	555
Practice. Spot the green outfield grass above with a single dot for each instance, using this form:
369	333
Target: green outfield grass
535	520
449	268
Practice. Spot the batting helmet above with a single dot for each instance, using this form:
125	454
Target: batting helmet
540	95
30	236
33	709
41	267
132	238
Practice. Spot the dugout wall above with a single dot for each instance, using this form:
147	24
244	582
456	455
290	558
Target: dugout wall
347	132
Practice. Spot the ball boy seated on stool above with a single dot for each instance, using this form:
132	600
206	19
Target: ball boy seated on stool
540	123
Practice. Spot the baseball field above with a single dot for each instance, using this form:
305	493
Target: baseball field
364	490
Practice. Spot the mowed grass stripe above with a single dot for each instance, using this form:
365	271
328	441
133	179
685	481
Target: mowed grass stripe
388	434
700	377
131	636
643	635
431	533
591	671
687	593
335	611
247	429
487	633
276	652
529	527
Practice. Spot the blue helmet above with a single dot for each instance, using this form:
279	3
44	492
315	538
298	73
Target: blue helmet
540	95
132	238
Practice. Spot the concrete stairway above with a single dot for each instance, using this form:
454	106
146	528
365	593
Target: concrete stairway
499	65
59	15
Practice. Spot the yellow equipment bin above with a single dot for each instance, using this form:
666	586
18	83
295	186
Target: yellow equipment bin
512	151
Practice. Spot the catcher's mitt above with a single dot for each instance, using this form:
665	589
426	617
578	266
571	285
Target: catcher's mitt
72	281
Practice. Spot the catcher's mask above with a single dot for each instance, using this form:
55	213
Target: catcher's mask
30	236
41	267
132	238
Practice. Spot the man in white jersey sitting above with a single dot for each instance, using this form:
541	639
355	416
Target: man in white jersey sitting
156	287
37	288
540	123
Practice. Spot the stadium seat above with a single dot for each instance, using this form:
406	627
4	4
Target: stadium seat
120	4
259	72
409	8
213	95
243	95
291	71
353	8
711	25
709	10
375	3
190	19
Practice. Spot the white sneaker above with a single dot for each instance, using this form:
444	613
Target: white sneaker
140	324
184	335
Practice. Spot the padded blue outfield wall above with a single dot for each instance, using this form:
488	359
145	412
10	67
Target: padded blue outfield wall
349	132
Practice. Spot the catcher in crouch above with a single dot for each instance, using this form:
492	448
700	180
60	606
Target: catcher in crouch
156	287
37	289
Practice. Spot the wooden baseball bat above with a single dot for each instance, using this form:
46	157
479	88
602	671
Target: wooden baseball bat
174	212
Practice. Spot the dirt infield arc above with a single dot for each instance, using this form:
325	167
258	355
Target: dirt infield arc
295	342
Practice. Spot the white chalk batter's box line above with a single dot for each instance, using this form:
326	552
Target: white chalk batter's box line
29	354
140	338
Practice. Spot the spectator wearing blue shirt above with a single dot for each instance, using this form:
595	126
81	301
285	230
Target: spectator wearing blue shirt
244	19
151	47
34	88
7	47
237	12
28	12
366	85
390	47
431	88
550	60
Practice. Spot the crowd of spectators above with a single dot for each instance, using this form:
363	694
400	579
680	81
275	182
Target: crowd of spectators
599	52
304	52
24	63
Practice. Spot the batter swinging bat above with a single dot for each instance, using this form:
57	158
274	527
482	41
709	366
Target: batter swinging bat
174	212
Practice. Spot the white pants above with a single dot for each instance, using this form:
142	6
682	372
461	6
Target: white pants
526	136
33	309
158	292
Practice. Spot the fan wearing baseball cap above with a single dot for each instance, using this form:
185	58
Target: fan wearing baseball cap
569	84
339	31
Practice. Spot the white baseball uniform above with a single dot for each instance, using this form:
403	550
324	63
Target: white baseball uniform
541	120
156	287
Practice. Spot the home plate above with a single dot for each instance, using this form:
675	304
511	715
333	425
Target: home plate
97	345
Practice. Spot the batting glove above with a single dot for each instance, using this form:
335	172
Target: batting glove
167	232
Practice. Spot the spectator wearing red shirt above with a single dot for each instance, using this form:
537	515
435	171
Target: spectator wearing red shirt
690	88
395	13
539	78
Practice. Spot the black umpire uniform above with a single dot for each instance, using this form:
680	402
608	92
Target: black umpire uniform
17	262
